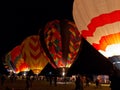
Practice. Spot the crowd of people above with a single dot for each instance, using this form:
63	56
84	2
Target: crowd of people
79	81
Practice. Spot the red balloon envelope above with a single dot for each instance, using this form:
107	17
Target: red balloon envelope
15	60
63	40
99	23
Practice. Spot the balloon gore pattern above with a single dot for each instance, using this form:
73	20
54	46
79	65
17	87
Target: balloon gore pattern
63	40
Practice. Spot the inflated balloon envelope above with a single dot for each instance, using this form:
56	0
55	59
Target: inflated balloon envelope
33	53
62	40
15	61
99	23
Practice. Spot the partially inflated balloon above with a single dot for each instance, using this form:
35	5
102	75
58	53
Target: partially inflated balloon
10	64
99	23
34	54
15	60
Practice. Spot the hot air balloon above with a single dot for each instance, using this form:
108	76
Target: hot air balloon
11	67
15	61
62	39
34	54
99	23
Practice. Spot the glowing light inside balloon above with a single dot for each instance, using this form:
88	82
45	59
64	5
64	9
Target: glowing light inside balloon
111	50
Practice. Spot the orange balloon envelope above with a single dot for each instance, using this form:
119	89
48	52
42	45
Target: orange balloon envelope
15	60
34	54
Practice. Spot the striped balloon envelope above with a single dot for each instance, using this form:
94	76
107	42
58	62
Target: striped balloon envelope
33	53
98	21
62	39
15	61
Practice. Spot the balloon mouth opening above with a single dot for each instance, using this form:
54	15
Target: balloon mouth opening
36	71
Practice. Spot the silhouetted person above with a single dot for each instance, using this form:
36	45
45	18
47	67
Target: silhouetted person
87	81
115	82
97	82
55	80
2	80
78	83
7	88
50	79
114	77
11	78
81	83
28	83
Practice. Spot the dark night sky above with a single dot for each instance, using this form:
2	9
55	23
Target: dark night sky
22	19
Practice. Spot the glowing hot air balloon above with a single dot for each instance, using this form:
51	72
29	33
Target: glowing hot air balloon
99	23
10	64
15	61
33	54
62	39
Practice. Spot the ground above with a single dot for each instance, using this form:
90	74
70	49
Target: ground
44	85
